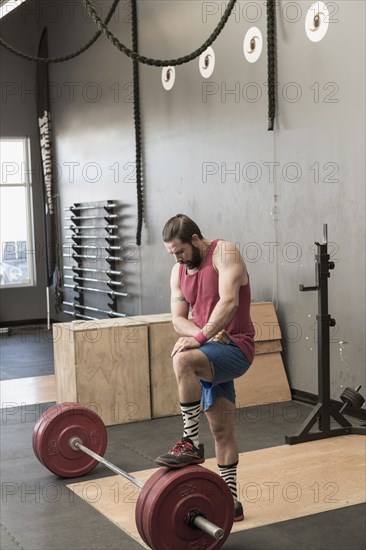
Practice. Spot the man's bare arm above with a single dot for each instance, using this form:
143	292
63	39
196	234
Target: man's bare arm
180	308
232	275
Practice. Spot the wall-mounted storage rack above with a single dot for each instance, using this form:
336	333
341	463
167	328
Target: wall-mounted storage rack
94	250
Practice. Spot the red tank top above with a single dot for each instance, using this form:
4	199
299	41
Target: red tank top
201	290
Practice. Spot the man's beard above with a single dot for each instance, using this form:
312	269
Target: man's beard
196	260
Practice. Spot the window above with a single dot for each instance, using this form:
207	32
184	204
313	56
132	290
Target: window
6	6
16	219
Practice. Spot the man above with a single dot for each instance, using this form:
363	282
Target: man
215	346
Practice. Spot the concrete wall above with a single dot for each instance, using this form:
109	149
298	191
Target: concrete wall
207	153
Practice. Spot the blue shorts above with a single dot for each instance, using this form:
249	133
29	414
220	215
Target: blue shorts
227	362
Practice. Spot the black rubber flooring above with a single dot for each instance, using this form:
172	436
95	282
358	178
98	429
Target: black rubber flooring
38	512
25	352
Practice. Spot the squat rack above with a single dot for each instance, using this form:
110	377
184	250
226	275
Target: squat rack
325	409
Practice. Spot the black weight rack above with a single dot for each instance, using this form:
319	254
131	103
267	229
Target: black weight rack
95	251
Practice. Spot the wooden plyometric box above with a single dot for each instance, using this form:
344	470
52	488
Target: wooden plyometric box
265	322
164	390
266	380
104	365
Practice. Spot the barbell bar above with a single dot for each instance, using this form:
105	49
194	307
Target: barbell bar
73	207
78	227
76	444
90	308
91	257
109	237
93	270
176	509
80	315
107	216
91	280
113	247
111	293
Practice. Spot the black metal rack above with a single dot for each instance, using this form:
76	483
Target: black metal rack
325	410
106	250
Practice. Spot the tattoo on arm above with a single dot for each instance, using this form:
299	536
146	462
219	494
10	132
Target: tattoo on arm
178	299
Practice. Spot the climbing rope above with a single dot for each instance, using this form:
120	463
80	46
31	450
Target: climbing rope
130	53
64	57
271	61
158	62
137	120
58	279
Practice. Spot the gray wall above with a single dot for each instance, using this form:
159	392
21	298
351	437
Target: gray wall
210	155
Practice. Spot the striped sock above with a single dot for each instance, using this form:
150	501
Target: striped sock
228	473
191	420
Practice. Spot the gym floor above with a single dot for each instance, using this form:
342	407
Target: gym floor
39	512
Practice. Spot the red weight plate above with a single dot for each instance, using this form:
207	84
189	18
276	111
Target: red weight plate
53	432
174	495
46	417
51	412
140	506
57	426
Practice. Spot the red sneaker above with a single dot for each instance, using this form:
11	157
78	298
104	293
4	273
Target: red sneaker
184	453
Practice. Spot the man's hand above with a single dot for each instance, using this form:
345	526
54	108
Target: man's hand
188	342
184	343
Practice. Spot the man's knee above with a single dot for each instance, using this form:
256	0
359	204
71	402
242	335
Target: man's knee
220	418
182	364
221	433
184	360
179	361
188	364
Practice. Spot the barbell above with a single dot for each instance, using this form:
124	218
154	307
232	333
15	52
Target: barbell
188	508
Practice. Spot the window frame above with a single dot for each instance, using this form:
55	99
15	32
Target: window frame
28	195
